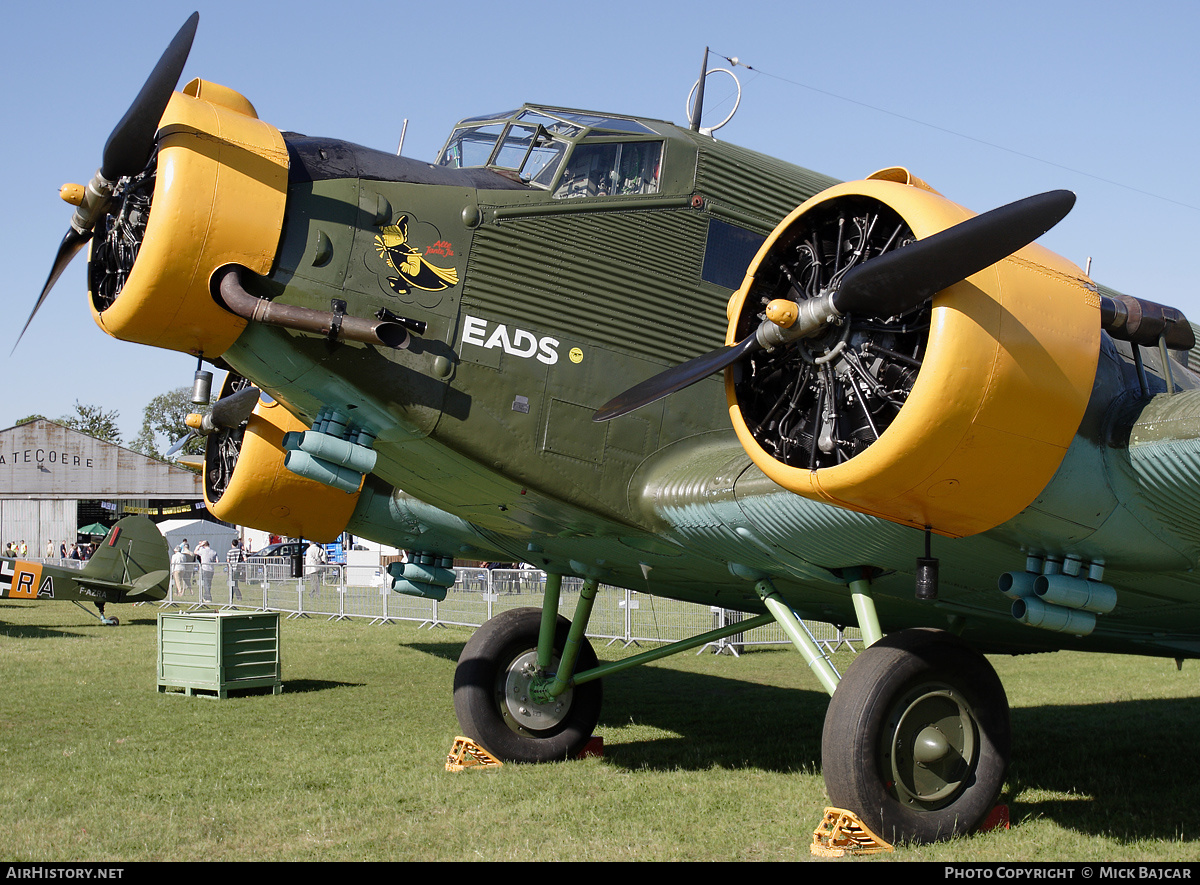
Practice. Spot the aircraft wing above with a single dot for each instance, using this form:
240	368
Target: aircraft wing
713	497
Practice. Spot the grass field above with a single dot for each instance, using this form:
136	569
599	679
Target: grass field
706	757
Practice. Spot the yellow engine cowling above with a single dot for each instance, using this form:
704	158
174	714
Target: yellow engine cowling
260	492
219	194
1002	385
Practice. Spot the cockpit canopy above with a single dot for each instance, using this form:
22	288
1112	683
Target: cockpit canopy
570	153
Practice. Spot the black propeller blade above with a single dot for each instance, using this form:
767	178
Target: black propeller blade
67	250
883	287
899	281
227	412
130	144
676	378
126	152
232	410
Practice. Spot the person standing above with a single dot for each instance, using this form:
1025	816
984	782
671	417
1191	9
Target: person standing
178	566
314	558
233	562
207	557
189	558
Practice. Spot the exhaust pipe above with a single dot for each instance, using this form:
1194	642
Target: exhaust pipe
334	326
1052	600
1145	322
1035	613
427	578
1076	593
336	452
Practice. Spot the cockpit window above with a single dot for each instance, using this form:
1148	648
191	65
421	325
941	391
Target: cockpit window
544	161
471	145
531	144
528	150
613	124
611	170
550	124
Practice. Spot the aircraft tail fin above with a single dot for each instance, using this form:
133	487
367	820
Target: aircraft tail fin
132	555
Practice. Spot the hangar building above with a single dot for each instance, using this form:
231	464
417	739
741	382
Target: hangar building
53	480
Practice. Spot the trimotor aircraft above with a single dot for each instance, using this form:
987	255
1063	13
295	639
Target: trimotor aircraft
472	358
130	565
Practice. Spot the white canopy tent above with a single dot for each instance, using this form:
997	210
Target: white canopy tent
219	536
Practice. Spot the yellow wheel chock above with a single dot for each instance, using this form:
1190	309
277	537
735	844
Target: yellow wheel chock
468	754
841	833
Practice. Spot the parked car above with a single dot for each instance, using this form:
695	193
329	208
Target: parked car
280	548
273	563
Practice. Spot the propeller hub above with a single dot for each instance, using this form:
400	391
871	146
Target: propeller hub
783	312
72	193
803	320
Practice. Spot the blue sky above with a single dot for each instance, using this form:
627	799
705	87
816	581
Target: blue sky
986	102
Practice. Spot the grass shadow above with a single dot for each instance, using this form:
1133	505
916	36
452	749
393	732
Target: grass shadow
303	686
33	631
446	651
1123	770
717	720
787	722
1120	770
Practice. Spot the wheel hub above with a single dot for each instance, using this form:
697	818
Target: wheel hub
933	747
520	711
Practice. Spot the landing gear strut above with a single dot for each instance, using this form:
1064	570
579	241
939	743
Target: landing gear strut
104	621
916	738
107	622
497	698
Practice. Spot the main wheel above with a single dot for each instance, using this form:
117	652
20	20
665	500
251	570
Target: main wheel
491	692
916	738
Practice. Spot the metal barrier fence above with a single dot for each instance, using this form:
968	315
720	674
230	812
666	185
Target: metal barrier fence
338	592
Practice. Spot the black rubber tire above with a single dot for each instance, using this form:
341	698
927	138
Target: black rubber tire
480	685
951	695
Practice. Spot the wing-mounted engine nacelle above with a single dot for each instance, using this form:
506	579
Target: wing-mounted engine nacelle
952	415
246	481
213	194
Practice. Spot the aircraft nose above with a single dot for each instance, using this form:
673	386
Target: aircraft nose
214	195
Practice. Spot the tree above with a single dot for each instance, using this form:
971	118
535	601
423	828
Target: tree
164	421
94	421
